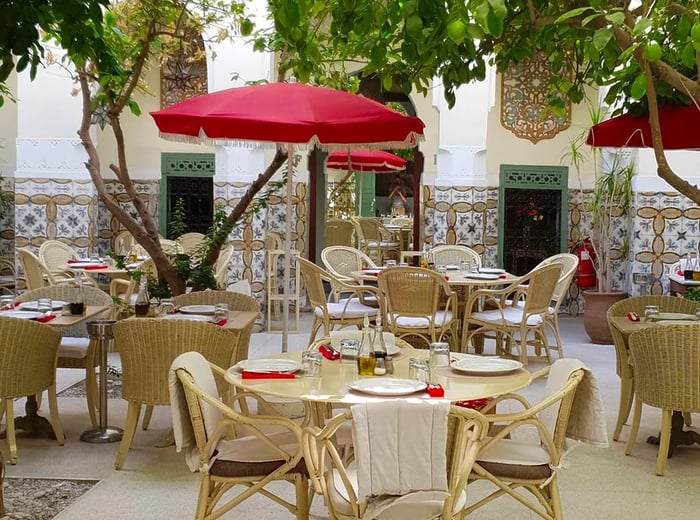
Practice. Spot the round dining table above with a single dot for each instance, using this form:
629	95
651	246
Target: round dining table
332	387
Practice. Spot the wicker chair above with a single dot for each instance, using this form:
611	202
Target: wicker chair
190	242
536	469
455	255
8	276
76	350
623	366
328	315
148	347
28	367
666	363
235	301
373	240
253	461
54	254
418	303
331	478
341	261
36	274
512	324
340	233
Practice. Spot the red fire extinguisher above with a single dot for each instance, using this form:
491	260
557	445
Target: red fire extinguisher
586	271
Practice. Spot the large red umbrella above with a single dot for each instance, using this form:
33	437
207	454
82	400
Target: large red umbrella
289	113
678	130
377	161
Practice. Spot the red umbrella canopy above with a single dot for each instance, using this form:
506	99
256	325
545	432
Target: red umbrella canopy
290	113
377	161
679	126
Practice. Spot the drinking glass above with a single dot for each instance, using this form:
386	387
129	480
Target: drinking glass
465	266
166	307
220	312
44	305
651	313
390	263
441	270
418	369
7	302
95	258
311	363
439	355
349	349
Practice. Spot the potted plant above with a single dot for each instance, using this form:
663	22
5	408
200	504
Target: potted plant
609	212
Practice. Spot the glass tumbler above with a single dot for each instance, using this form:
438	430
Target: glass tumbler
439	355
651	313
418	369
311	363
7	302
166	307
44	305
349	349
220	312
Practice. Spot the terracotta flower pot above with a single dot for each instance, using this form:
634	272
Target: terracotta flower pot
595	314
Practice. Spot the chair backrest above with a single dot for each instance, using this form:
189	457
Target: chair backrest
666	363
190	241
568	263
369	229
541	282
637	304
36	274
339	233
313	276
221	265
342	260
413	291
148	347
274	242
466	430
54	253
123	243
454	255
27	357
558	402
66	293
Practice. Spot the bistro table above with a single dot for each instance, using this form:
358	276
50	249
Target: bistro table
332	385
678	285
32	423
679	436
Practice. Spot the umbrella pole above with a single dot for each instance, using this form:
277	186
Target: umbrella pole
287	251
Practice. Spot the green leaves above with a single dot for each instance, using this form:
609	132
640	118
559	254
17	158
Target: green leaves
639	87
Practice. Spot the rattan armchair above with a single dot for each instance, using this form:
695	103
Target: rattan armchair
514	325
341	261
36	274
623	367
538	461
54	254
349	312
190	242
148	347
253	461
340	233
235	302
418	303
221	266
374	240
76	350
666	363
338	485
455	255
27	367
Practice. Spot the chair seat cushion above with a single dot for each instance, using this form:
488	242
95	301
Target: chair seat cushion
521	304
351	309
383	244
421	322
509	458
512	315
75	348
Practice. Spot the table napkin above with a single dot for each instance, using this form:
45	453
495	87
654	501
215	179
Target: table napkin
95	267
44	319
250	374
221	323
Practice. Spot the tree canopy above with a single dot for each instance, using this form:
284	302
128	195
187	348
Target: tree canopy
645	52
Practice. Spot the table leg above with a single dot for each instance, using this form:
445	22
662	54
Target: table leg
679	436
32	423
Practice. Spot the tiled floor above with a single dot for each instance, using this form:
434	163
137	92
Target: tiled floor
155	484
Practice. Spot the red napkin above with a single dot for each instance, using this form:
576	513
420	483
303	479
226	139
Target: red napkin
72	261
436	391
502	277
447	278
632	316
680	273
221	323
44	319
375	274
95	267
247	374
474	404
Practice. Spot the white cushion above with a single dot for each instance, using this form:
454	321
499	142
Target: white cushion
512	315
521	305
351	309
509	451
383	244
75	348
421	322
242	286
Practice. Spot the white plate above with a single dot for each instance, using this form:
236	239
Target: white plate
269	365
481	276
678	322
80	265
452	267
485	365
23	315
387	386
491	270
198	309
33	305
190	317
676	316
